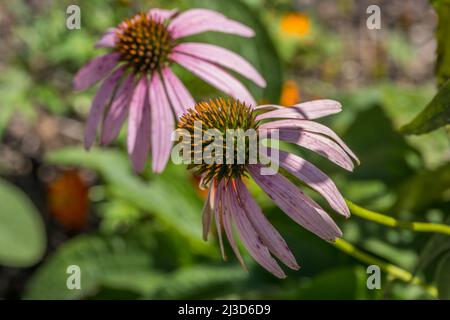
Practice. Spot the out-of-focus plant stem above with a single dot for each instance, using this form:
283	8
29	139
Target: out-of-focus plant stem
393	270
392	222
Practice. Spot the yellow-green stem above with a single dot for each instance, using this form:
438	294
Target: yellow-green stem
393	270
392	222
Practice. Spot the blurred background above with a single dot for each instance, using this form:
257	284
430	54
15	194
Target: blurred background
139	237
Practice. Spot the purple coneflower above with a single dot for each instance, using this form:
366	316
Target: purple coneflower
230	202
139	81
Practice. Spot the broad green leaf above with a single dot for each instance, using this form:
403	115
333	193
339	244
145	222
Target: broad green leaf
442	8
435	115
423	190
22	234
443	277
100	259
383	151
436	247
339	283
154	197
198	281
125	263
401	103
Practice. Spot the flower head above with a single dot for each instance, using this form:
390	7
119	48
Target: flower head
230	202
139	83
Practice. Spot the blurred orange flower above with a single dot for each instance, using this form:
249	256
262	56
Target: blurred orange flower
290	94
68	200
295	24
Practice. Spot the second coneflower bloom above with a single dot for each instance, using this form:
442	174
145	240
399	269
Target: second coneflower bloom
139	83
205	127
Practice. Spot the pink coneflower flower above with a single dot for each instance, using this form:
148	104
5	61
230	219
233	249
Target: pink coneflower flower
230	202
139	81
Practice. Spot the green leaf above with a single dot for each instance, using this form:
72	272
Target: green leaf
443	277
182	215
435	115
436	247
423	190
383	153
442	8
22	234
340	283
125	262
198	281
101	260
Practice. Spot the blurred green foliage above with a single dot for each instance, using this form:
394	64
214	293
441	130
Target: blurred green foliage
148	243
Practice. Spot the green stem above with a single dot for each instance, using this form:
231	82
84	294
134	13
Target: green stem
391	269
392	222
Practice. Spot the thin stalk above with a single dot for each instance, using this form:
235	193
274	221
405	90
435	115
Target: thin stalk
392	222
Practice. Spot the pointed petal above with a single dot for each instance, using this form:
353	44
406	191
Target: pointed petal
270	236
313	177
296	204
222	56
218	213
108	39
118	110
227	219
98	106
215	76
162	124
312	127
94	70
179	96
250	238
161	14
196	21
318	143
139	126
307	110
207	212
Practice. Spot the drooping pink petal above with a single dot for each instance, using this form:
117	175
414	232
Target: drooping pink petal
118	110
99	103
218	213
296	204
316	142
179	96
313	177
312	127
307	110
227	219
108	39
207	212
250	237
161	14
139	126
269	235
162	124
215	76
222	56
95	70
202	20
